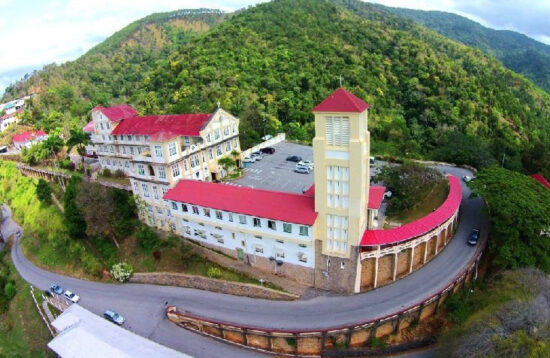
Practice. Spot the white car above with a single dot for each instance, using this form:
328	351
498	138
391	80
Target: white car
306	163
249	160
388	194
467	178
73	297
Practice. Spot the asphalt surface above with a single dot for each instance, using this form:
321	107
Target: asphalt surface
143	305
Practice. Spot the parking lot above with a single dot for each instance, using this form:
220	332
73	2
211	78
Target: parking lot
273	172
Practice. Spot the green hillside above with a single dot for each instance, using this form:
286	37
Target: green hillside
516	51
277	60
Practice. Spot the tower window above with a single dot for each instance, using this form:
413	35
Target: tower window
337	131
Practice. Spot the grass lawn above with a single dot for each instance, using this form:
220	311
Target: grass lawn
431	201
123	181
22	331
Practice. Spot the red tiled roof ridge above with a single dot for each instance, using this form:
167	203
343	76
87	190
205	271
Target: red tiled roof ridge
341	100
165	126
541	179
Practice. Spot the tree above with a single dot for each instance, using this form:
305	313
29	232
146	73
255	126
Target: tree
519	211
44	192
227	163
52	145
76	225
79	139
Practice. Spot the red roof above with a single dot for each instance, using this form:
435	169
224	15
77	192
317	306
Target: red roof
28	135
310	191
538	177
376	195
12	114
294	208
163	127
420	226
341	101
89	127
117	113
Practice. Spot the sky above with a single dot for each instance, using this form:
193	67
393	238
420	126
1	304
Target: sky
34	33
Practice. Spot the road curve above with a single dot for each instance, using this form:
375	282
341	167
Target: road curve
143	305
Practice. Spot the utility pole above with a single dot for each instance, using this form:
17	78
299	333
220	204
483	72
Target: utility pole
503	156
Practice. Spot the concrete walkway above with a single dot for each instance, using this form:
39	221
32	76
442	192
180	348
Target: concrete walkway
143	305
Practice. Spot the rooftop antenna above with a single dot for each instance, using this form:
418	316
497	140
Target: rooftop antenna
341	80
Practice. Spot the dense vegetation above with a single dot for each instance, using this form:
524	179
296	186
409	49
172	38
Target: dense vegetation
271	64
519	210
516	51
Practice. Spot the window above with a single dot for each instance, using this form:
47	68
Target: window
228	146
235	143
101	125
162	173
337	131
210	153
287	228
138	138
218	228
168	212
206	212
226	131
150	209
136	187
158	151
195	210
185	164
129	138
280	241
337	233
164	191
280	255
131	150
302	245
219	215
155	192
186	140
172	149
342	265
175	170
258	237
173	226
139	150
184	208
220	241
230	217
216	134
194	160
234	129
208	138
141	169
203	157
303	231
271	224
174	206
159	210
145	188
242	219
107	125
123	150
219	150
257	222
259	250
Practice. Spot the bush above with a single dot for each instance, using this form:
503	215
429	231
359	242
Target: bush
9	290
148	239
122	271
119	174
66	163
107	173
213	272
44	192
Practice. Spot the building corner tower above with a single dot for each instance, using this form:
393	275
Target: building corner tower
341	150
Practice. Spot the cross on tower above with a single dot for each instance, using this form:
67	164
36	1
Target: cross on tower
219	104
341	79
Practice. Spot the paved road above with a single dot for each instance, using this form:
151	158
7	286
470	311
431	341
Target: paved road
143	305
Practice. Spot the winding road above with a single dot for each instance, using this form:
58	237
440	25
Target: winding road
143	305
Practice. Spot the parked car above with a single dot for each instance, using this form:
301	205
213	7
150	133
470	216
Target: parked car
71	296
474	237
267	137
55	288
114	317
256	155
249	160
371	160
294	158
467	178
302	169
388	194
268	150
307	163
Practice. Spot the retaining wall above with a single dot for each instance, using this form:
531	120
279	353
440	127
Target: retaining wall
210	284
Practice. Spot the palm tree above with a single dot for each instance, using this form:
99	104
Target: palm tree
78	139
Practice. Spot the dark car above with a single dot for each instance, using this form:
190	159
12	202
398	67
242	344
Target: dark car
55	288
114	317
268	150
294	158
474	237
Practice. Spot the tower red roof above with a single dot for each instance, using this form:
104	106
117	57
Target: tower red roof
342	101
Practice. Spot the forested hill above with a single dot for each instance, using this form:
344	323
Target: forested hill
516	51
430	96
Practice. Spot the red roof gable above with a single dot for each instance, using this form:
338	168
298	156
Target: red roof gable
117	113
341	101
376	195
538	177
163	127
420	226
294	208
89	127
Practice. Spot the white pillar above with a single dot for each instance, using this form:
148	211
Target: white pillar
412	260
376	267
395	261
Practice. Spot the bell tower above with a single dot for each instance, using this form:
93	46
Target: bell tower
341	150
